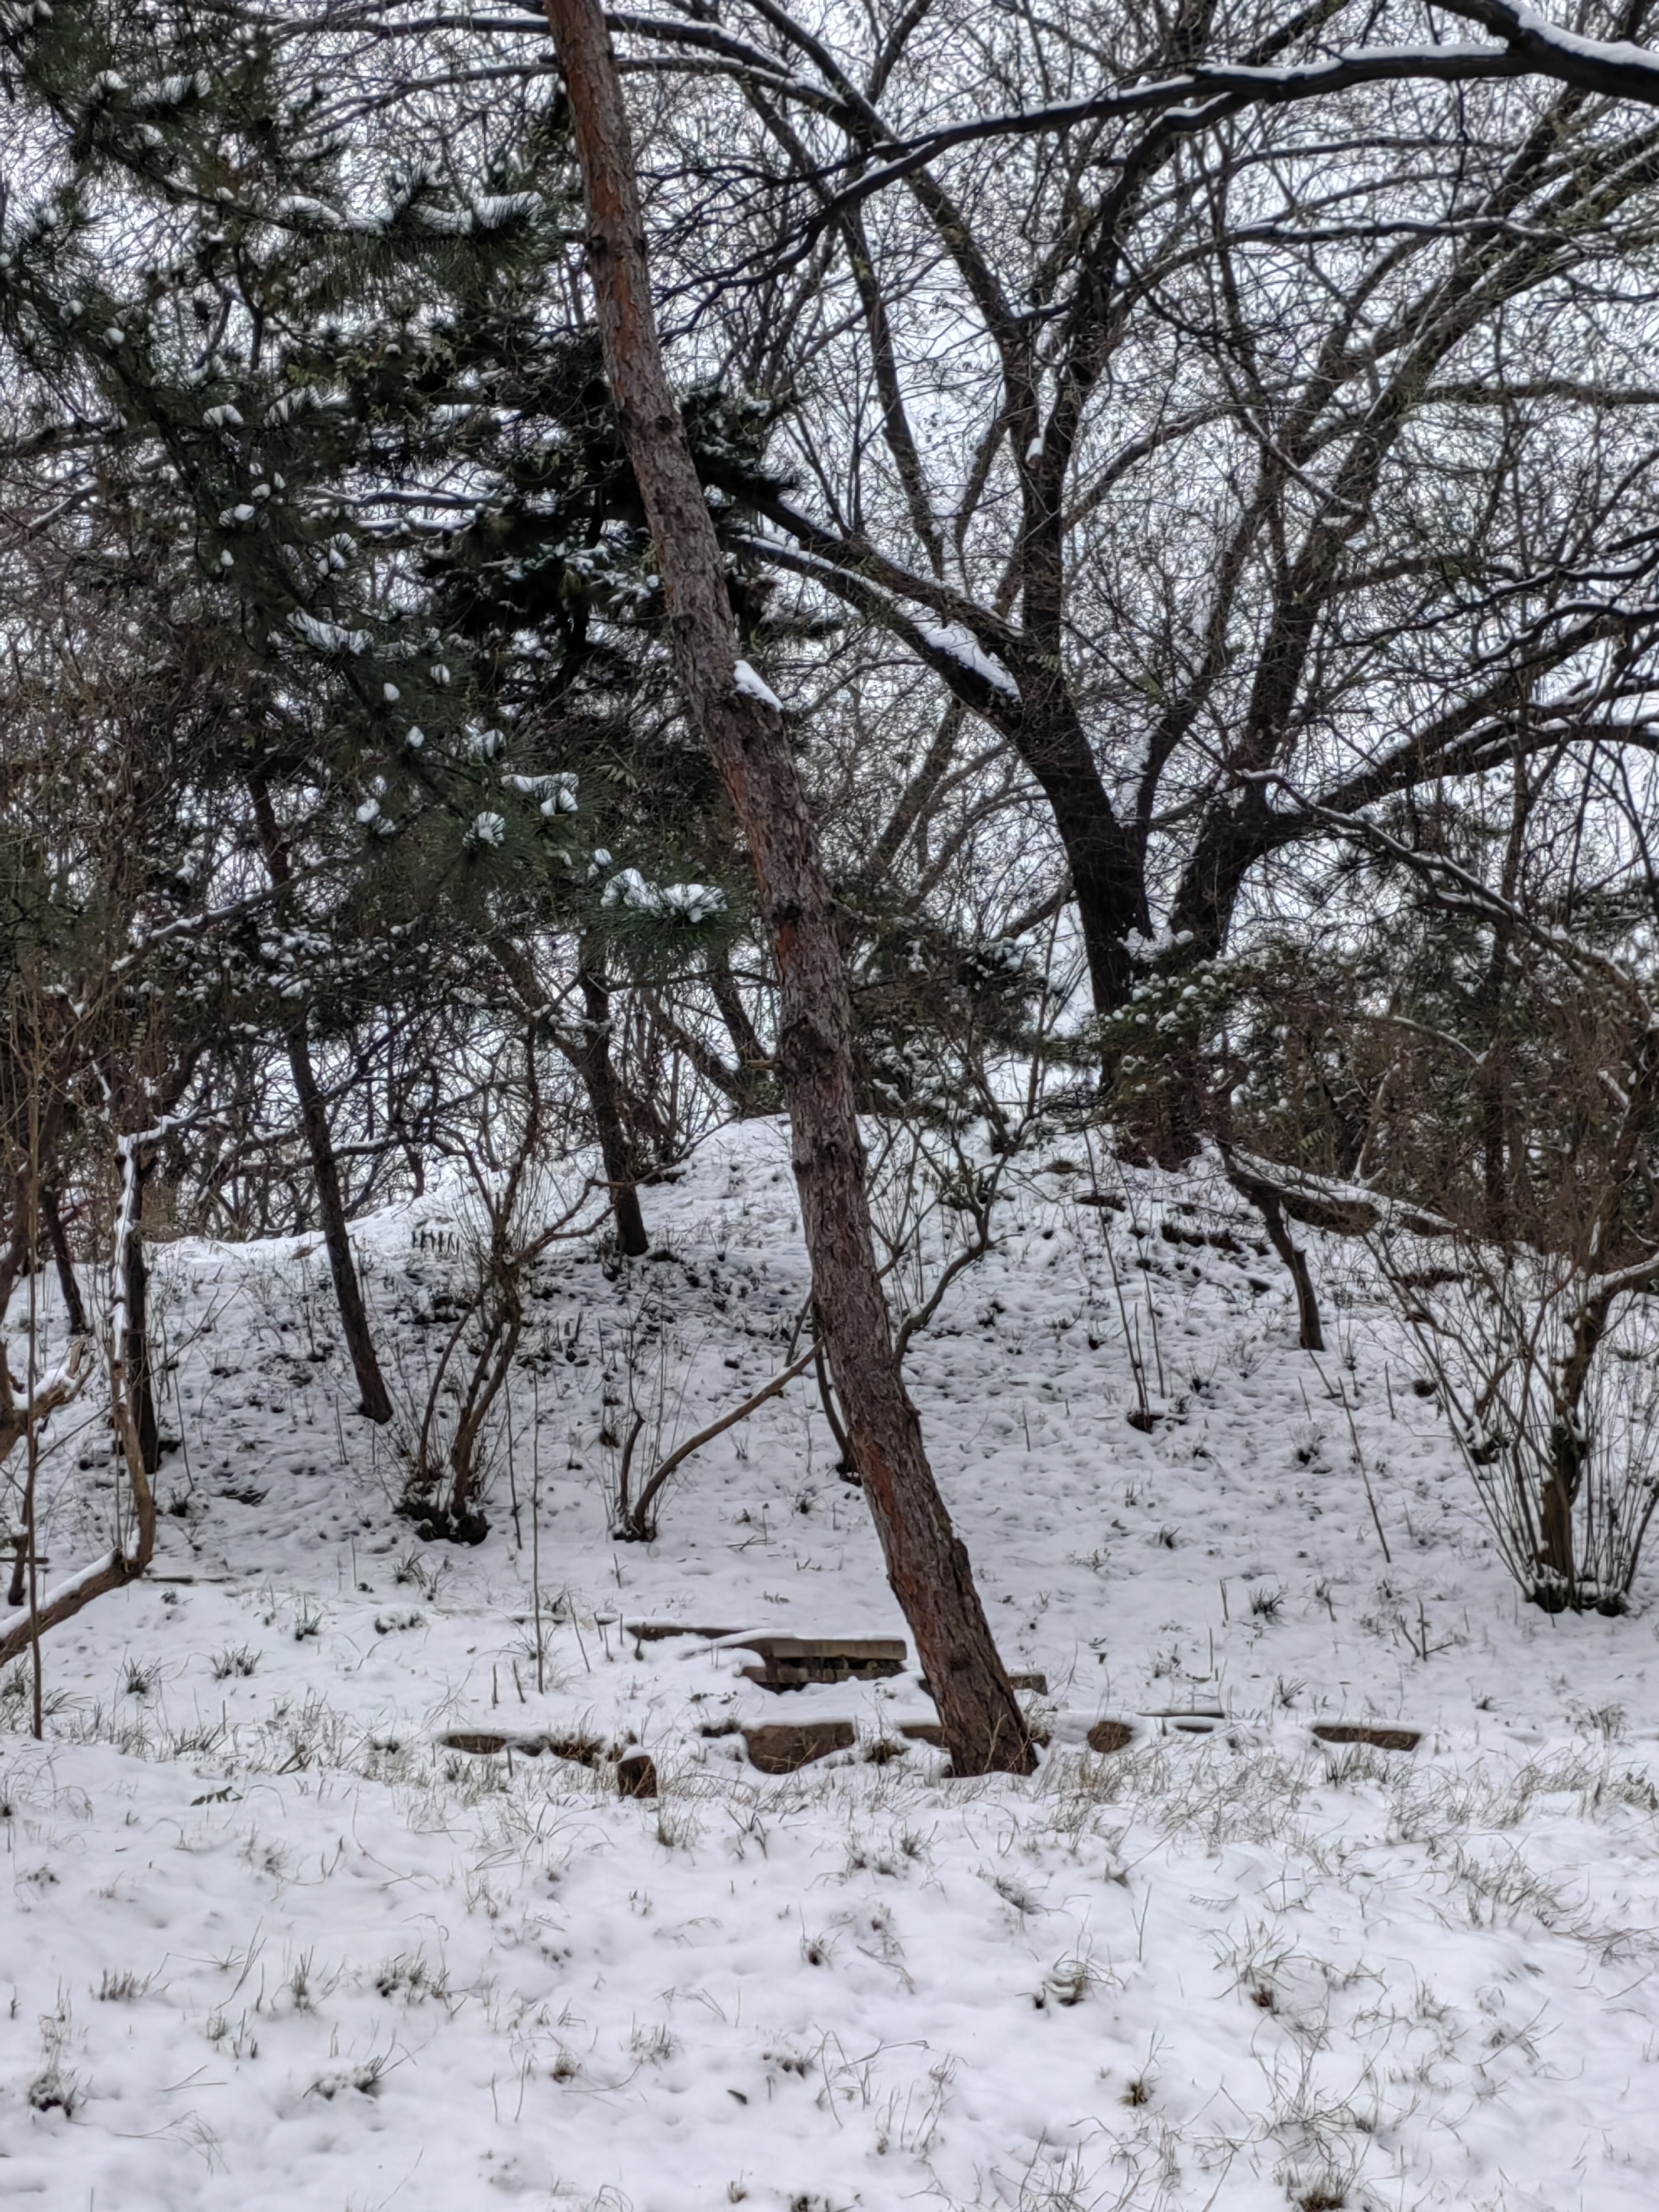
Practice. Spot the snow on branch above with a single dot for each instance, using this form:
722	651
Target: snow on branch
748	685
1457	888
957	643
1531	47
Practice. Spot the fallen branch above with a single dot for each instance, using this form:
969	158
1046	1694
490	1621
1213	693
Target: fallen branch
1349	1209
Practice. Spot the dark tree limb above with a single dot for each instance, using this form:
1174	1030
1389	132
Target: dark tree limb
376	1401
74	1305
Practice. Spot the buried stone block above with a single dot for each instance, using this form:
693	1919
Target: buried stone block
1110	1735
1187	1720
779	1747
790	1662
636	1775
1380	1739
661	1631
480	1741
580	1750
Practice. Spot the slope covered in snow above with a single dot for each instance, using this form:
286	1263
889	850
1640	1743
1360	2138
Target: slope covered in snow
271	1939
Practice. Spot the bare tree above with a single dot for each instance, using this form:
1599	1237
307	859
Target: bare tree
1263	444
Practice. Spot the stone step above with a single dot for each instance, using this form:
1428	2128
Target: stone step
781	1747
1380	1739
636	1774
1030	1683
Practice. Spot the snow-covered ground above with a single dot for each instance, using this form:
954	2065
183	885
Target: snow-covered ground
269	1943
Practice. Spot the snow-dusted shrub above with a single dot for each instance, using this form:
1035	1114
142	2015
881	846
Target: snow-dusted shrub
1550	1378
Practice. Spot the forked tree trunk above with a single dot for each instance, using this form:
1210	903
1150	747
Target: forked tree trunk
324	1168
1310	1335
926	1564
1266	1199
1560	1580
757	1091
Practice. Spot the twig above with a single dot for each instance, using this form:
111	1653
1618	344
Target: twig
1358	1459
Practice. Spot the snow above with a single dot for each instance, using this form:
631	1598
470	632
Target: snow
327	636
958	644
1642	63
690	902
493	209
271	1943
301	208
170	91
748	685
554	794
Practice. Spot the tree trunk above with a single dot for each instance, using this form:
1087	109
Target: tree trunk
757	1092
1557	1588
324	1168
1560	1582
1103	855
594	1064
135	1545
74	1305
1266	1199
135	1335
331	1207
926	1564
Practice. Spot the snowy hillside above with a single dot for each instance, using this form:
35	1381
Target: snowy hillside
272	1941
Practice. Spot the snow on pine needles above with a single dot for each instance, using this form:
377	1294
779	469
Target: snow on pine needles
273	1937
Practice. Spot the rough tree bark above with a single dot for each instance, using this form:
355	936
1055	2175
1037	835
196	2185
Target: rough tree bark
926	1564
325	1169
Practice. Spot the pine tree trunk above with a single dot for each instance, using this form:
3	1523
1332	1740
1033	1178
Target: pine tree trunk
324	1168
926	1564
